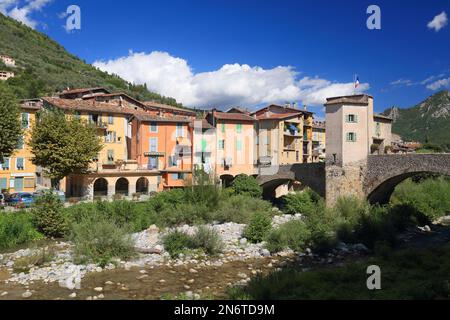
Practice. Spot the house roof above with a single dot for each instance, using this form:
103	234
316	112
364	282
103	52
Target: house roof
360	99
285	109
83	90
232	116
87	105
382	116
278	116
157	105
205	124
148	117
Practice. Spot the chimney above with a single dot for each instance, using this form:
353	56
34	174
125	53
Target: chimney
305	108
120	102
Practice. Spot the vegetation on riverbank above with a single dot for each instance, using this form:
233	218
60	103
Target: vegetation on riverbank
321	228
406	274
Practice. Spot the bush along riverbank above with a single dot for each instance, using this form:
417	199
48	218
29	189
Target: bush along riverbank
201	225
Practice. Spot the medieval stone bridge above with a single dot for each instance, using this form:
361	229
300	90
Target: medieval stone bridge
374	178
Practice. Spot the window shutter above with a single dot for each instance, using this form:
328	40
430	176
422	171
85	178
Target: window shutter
356	118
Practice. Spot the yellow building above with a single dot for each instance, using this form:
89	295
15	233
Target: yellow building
319	141
284	135
18	173
115	170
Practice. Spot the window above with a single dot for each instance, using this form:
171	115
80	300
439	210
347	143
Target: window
78	115
177	176
179	130
223	127
5	165
110	156
29	183
154	127
153	144
239	128
20	143
110	119
111	137
153	163
221	144
172	162
20	164
25	120
378	129
352	118
238	145
351	137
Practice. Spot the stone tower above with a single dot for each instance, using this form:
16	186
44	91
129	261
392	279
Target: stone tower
349	131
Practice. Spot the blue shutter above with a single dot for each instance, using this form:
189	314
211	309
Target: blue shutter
19	163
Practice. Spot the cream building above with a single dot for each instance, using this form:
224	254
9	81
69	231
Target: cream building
353	131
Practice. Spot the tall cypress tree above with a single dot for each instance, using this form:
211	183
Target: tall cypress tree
10	124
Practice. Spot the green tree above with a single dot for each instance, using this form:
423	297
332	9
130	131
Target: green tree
10	127
63	145
247	186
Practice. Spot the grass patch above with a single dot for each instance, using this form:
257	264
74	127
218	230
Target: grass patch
37	259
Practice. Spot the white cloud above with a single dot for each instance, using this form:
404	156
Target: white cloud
22	10
438	21
402	82
442	83
232	84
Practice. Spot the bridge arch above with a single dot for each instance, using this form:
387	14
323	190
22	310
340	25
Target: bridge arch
384	173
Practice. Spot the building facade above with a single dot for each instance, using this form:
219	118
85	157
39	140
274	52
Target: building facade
18	173
319	141
284	135
353	131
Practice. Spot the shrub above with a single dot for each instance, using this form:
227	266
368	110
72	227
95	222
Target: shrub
293	234
351	208
322	225
16	229
177	242
240	209
298	203
99	239
49	217
430	197
247	186
208	240
259	227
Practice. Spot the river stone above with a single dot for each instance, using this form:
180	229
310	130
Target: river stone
26	294
192	270
73	295
98	289
265	253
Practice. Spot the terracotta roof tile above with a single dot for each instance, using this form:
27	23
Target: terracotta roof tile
278	116
354	99
232	116
168	107
87	105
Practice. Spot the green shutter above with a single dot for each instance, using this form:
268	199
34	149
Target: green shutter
223	127
239	128
204	145
239	145
3	184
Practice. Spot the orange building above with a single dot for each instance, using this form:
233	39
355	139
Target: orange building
164	143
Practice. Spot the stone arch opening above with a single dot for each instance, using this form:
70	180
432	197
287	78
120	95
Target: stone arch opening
142	185
383	192
277	188
122	186
100	187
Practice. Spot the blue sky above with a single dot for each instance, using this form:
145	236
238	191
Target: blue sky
252	52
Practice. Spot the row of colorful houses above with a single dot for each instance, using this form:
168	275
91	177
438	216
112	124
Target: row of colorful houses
151	147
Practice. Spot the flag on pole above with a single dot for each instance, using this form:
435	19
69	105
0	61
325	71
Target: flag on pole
356	82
